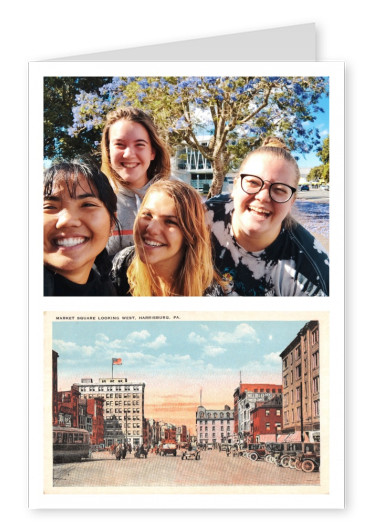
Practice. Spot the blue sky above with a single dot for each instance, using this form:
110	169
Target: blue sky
175	359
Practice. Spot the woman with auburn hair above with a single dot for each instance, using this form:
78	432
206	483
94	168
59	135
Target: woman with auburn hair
133	157
259	248
172	253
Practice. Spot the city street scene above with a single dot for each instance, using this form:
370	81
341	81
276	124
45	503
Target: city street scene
164	401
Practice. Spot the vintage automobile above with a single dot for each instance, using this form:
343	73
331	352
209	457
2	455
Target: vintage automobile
274	452
290	452
308	459
224	446
167	449
141	451
254	451
193	453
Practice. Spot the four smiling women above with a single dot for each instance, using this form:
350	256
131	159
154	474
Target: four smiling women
165	241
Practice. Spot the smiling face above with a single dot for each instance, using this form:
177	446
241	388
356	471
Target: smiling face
257	220
76	230
158	236
130	152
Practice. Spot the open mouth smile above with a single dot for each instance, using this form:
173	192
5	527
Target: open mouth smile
130	165
259	211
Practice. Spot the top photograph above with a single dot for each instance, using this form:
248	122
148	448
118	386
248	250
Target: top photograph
186	186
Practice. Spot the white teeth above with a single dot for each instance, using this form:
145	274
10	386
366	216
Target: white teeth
260	211
153	244
70	242
130	165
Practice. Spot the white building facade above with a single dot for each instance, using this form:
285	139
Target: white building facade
214	425
123	400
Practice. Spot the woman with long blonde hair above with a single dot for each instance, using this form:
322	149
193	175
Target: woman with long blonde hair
172	255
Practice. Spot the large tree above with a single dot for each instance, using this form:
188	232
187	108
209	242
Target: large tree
237	112
59	98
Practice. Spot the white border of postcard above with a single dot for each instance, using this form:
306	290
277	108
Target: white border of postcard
334	304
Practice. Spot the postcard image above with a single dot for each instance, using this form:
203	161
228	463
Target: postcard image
228	403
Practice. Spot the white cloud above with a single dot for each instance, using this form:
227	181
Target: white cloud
88	351
213	351
102	337
64	346
136	336
196	338
273	357
158	342
242	332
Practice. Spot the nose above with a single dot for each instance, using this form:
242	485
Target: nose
153	227
263	194
67	218
127	152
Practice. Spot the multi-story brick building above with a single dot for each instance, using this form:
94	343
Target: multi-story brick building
214	425
301	384
245	398
55	402
266	420
124	402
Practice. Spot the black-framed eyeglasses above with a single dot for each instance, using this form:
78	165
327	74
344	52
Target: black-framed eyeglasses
278	192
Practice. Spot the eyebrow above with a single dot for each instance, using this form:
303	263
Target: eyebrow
149	211
81	196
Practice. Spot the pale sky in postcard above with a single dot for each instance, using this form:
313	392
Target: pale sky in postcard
175	359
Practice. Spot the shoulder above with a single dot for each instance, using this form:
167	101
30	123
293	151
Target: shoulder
120	265
48	282
123	257
220	208
312	255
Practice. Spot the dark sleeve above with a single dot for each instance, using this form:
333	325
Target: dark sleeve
120	264
48	282
315	265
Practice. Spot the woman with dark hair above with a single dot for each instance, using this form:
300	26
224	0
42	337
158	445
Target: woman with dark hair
79	214
134	157
259	248
172	255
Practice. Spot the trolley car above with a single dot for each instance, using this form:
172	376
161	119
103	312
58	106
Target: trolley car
70	444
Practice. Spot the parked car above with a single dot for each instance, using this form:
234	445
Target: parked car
255	451
223	447
309	459
304	188
209	446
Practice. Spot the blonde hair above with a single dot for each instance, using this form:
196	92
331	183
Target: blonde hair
274	147
159	168
196	272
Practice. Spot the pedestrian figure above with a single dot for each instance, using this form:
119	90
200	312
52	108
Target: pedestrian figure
118	452
123	451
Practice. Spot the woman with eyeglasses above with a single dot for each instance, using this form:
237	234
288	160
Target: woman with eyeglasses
260	250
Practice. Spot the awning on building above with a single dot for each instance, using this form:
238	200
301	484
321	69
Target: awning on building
267	437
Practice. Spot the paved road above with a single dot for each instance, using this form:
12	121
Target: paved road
214	469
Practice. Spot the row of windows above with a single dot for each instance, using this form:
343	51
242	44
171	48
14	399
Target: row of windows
102	388
214	422
215	415
213	428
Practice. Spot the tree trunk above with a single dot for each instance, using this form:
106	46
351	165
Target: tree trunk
220	167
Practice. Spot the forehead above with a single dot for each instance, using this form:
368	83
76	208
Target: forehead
270	168
126	129
161	203
72	185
